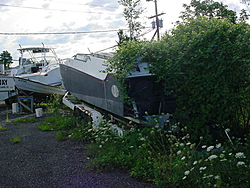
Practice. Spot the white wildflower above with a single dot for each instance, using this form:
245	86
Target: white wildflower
204	146
179	152
181	144
183	158
240	163
184	177
202	168
212	157
210	148
240	155
187	172
142	139
218	145
223	160
216	177
195	162
100	146
187	144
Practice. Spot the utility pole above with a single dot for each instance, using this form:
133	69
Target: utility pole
157	19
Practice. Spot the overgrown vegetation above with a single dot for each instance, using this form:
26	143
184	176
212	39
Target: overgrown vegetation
170	160
205	64
54	104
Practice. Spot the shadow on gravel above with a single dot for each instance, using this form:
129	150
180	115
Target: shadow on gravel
40	161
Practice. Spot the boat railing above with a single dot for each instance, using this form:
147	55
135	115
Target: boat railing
103	55
49	67
85	57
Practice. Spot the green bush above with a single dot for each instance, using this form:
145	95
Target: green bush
204	64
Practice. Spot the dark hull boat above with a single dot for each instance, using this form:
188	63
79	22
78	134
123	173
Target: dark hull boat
84	77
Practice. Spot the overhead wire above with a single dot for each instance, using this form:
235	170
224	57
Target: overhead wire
49	9
63	33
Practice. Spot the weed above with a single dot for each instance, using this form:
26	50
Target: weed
45	127
25	120
3	128
61	135
58	122
15	139
54	103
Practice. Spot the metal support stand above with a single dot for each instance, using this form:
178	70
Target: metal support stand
29	100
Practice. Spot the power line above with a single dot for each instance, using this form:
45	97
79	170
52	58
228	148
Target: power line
63	33
87	4
37	8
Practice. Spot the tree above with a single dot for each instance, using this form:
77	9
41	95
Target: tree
6	59
244	16
122	37
132	13
207	65
209	9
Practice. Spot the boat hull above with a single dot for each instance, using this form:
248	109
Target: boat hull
7	87
37	87
103	94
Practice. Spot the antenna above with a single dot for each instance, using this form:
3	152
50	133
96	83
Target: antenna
90	51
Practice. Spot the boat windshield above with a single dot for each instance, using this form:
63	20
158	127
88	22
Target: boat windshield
39	61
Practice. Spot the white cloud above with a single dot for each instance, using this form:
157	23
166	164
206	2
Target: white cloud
36	16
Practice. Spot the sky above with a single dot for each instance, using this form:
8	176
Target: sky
97	20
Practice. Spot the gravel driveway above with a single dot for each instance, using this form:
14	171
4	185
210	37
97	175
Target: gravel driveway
40	161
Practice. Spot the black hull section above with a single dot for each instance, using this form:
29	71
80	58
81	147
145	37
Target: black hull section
92	90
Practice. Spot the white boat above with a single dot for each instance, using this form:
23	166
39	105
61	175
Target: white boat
36	87
7	87
41	66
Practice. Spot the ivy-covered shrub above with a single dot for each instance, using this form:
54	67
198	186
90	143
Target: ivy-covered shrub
205	64
208	68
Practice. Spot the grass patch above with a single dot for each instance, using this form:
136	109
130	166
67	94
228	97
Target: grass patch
58	122
25	120
76	129
45	127
3	128
15	139
61	136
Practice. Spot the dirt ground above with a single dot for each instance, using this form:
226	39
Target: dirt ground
40	161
